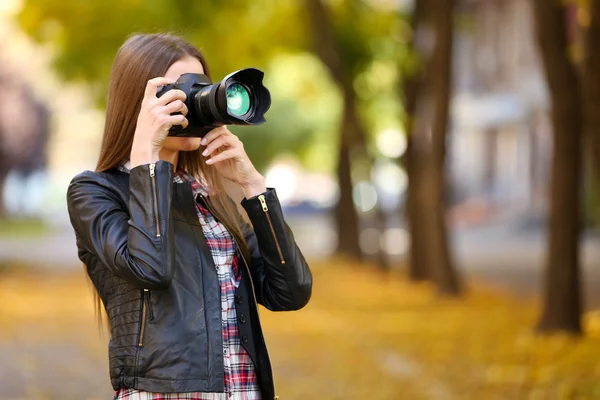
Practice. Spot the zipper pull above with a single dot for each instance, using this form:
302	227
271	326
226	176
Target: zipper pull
152	166
263	202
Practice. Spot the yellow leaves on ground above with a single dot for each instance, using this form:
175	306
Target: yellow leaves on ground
592	323
365	335
380	336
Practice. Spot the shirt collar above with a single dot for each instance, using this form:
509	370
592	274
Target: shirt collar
198	188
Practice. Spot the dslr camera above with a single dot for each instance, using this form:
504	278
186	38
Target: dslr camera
238	99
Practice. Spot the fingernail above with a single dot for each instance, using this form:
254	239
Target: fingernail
205	153
203	142
209	161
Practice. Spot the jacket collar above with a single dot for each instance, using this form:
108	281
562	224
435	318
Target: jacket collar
180	176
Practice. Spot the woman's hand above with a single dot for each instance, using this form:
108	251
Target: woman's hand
231	161
155	120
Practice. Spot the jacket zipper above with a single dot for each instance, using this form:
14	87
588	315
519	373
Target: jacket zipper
263	202
155	197
145	296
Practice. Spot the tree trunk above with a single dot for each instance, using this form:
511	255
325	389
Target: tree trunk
325	46
383	262
441	85
426	159
352	135
411	87
346	220
418	264
2	207
591	86
346	217
562	302
353	142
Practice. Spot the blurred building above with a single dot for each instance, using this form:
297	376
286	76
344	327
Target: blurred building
500	146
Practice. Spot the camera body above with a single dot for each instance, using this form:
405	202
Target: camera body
238	99
190	84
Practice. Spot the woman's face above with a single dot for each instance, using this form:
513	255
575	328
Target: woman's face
185	65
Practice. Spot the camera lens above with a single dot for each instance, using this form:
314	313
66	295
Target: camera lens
238	99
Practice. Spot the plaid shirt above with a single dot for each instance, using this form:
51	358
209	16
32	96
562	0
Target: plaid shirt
241	382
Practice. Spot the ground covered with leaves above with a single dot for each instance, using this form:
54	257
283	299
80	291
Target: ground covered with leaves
363	336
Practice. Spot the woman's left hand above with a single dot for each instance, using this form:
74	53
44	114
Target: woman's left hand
231	161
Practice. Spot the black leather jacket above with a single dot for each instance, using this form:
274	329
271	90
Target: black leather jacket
140	238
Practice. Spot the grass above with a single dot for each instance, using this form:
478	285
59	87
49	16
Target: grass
22	227
363	336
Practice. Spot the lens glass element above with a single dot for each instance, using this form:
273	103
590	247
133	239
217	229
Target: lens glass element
238	99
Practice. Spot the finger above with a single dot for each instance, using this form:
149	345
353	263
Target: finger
223	140
170	96
176	106
225	155
153	84
213	134
215	144
177	120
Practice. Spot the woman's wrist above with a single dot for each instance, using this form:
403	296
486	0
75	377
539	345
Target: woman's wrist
254	186
143	155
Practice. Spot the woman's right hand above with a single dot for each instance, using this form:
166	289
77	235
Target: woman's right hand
155	120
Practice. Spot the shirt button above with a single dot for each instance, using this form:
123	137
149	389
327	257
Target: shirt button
243	319
225	352
245	339
238	299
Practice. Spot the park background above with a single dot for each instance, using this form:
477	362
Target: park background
436	160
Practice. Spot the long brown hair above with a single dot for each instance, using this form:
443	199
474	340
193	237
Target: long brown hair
141	58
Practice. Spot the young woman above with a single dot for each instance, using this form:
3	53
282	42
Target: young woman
177	269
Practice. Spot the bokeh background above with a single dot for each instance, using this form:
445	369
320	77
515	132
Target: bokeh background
437	161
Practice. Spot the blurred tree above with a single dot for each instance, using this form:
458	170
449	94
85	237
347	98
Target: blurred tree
24	131
427	102
445	274
562	301
345	47
412	81
351	132
591	92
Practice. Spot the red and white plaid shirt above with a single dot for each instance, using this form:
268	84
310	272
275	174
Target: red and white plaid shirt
241	382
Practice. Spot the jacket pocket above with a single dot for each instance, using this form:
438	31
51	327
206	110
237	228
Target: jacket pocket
265	208
147	313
